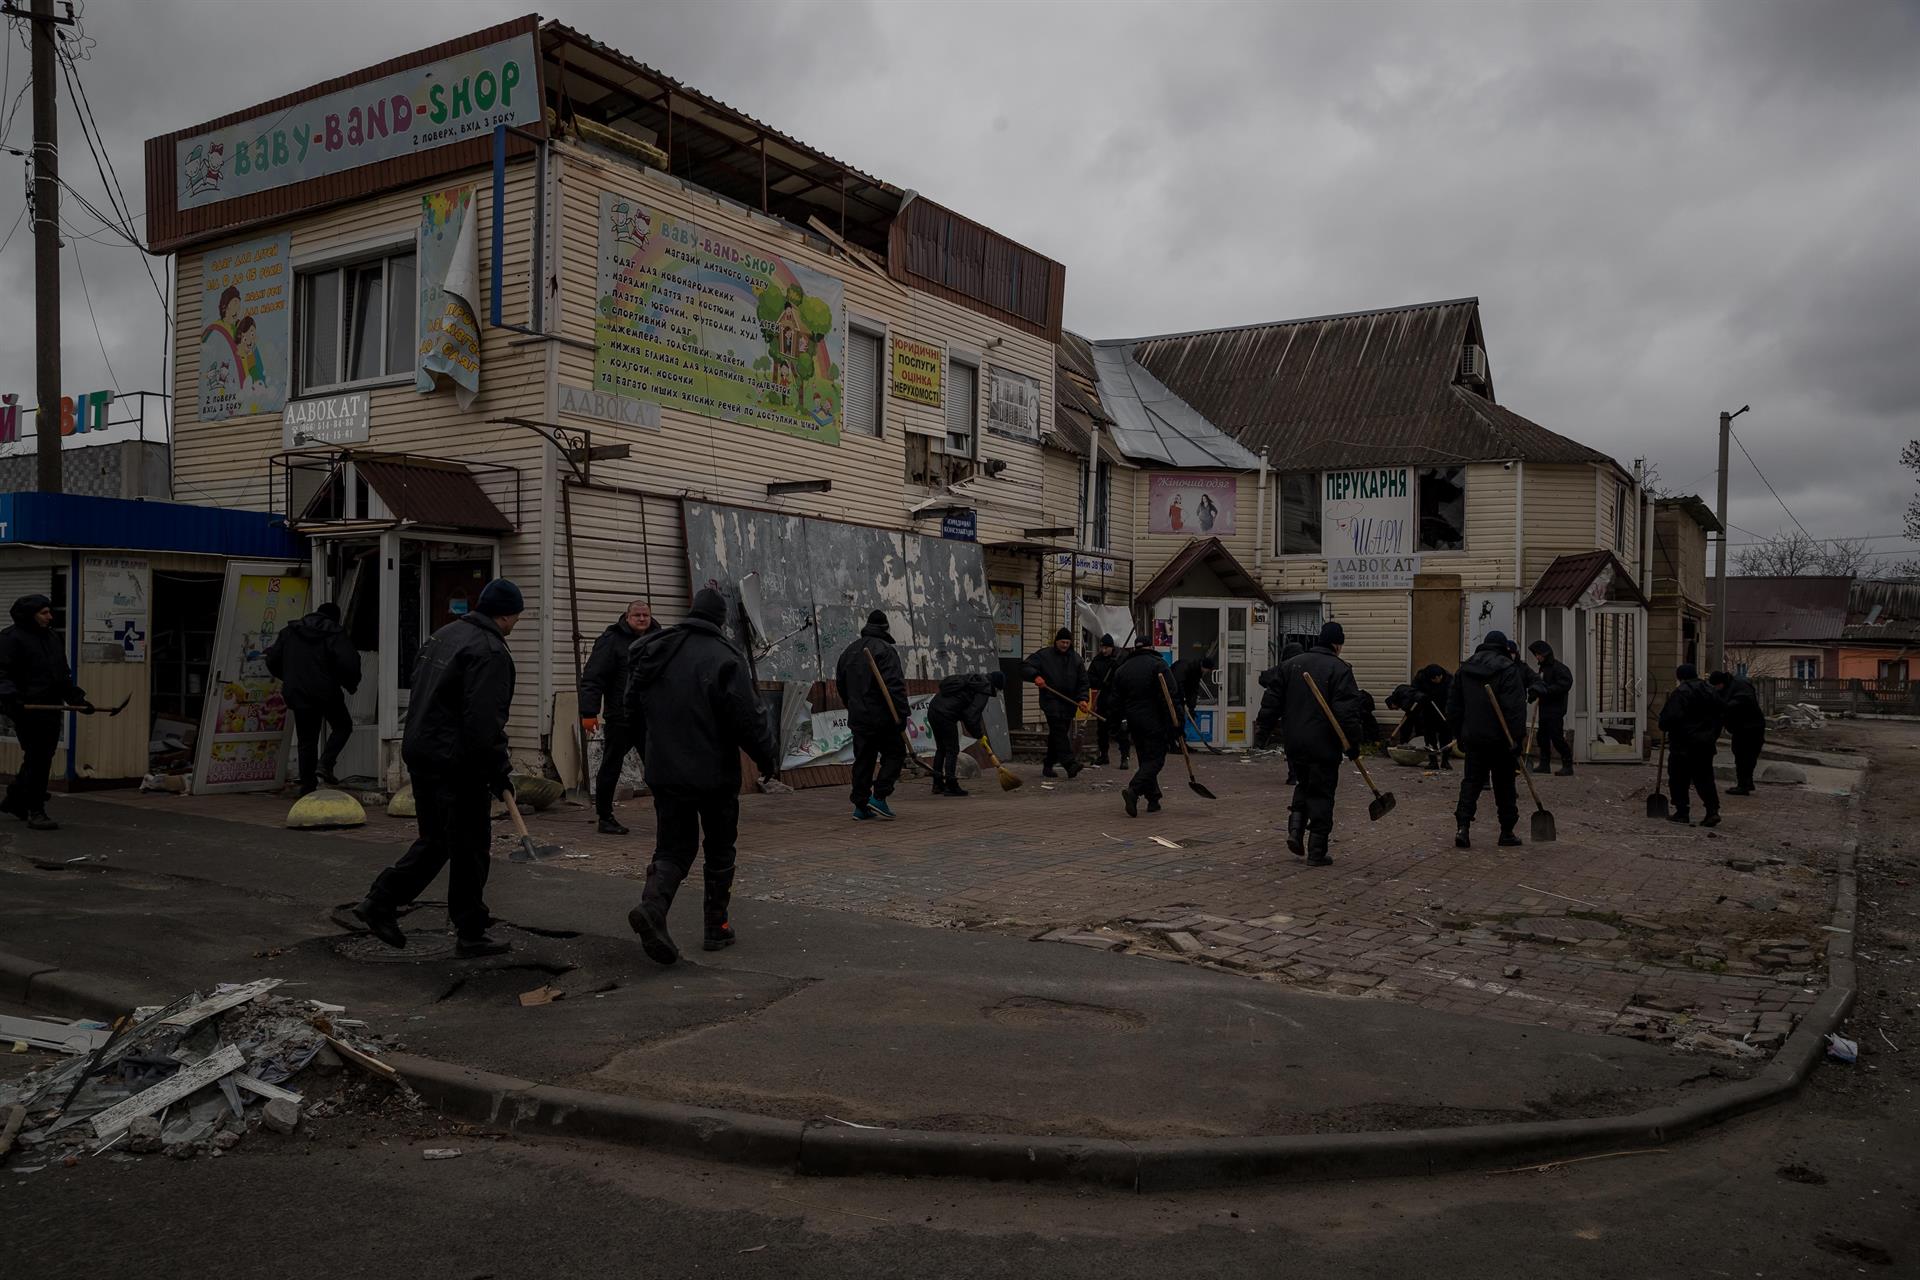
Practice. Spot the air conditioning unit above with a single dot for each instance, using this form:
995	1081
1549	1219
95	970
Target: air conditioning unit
1473	364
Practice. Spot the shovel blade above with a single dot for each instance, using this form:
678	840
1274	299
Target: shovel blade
1200	790
1656	805
1543	828
1382	806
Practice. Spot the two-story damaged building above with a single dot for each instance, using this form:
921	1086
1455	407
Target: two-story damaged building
1358	467
519	304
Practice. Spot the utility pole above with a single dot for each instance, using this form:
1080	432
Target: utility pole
1719	653
46	239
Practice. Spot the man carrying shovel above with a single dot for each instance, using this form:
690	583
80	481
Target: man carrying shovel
873	687
1313	738
1061	678
1477	726
34	673
693	691
1140	695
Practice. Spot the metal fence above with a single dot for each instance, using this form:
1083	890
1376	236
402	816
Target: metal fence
1855	697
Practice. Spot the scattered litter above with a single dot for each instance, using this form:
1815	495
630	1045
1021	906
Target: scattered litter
225	997
52	1033
757	1248
440	1153
1163	841
850	1124
1841	1049
1706	1042
541	995
1563	897
1890	1044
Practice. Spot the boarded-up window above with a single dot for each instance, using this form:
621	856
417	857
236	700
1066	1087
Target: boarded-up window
963	407
863	383
1298	514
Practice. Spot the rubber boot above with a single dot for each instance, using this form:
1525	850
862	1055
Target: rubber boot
1507	839
1296	832
1130	800
1463	836
1317	850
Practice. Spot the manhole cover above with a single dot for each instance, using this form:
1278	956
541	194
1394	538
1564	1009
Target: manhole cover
420	946
1037	1013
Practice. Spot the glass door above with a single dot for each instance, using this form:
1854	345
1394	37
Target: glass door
243	737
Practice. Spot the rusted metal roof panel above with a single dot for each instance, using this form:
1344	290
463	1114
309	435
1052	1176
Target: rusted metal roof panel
1212	553
1568	577
440	495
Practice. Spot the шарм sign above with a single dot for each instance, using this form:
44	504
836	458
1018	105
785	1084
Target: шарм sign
341	419
1367	514
455	99
1371	573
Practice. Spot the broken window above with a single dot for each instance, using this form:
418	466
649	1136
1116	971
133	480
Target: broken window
1442	496
1297	514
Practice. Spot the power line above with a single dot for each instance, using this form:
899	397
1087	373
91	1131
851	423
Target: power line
1770	489
96	323
18	218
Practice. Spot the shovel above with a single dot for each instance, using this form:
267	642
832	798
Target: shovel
894	711
1656	800
80	711
1383	801
1192	781
1205	745
1047	688
526	850
1543	829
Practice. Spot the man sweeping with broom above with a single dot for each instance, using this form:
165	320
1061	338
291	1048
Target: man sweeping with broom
961	702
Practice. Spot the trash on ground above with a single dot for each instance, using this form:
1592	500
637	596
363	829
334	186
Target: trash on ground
440	1153
541	995
1162	840
1841	1049
53	1033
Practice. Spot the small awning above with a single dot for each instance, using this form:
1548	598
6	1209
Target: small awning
1207	553
1589	579
428	492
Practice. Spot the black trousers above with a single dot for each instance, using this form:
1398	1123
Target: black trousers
1489	765
39	734
1150	756
1059	737
682	815
456	832
1316	781
1552	734
1113	732
620	739
877	761
309	715
1746	754
1690	769
946	747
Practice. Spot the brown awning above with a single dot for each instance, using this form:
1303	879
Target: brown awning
1567	579
1211	553
418	491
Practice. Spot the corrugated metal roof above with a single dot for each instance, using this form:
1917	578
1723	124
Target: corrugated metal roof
1212	553
1786	610
1694	507
1566	580
1360	389
1883	612
420	491
142	524
1152	425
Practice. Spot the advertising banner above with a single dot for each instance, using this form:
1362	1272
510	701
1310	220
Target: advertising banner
917	367
1367	513
1013	404
692	318
343	419
824	737
113	608
449	296
247	715
452	100
246	305
1371	573
1193	503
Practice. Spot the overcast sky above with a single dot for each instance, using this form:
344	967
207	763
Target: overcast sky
1666	209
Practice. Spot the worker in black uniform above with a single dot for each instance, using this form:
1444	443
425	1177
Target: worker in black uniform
1691	720
1494	752
876	715
961	703
1313	748
1550	690
1111	729
1432	687
694	691
34	671
1266	723
318	667
455	749
603	696
1059	669
1746	727
1192	682
1142	696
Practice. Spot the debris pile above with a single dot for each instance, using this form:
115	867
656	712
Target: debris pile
1800	715
195	1077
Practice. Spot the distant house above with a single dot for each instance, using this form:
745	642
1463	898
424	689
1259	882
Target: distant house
1677	587
1823	628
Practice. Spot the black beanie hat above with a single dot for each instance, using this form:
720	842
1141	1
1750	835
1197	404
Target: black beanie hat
329	610
709	605
1063	634
1540	648
998	679
1332	633
877	618
500	599
1687	671
1106	641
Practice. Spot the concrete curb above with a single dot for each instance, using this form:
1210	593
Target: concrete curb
831	1150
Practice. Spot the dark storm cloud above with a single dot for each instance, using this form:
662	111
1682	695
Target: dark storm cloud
1666	209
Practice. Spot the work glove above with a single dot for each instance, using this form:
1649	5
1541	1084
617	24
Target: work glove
589	723
1353	753
501	787
1039	682
86	708
1087	706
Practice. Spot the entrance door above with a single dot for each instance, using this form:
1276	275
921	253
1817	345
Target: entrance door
1008	614
1197	635
243	734
1436	620
1224	630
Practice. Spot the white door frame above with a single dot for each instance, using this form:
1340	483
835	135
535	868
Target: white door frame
223	642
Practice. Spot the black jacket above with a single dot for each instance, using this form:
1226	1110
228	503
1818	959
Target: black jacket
692	689
1430	700
603	681
1188	680
963	700
1100	670
33	662
1743	706
1693	716
866	707
1304	725
1136	696
1064	673
1470	716
457	708
1551	687
314	660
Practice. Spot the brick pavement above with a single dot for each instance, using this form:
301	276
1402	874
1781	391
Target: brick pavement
1637	928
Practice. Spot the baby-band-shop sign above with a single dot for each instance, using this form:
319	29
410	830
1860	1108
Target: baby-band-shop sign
245	309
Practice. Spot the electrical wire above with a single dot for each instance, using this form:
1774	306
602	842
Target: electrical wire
1770	489
82	272
17	220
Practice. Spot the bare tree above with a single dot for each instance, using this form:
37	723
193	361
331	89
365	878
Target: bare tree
1910	459
1794	554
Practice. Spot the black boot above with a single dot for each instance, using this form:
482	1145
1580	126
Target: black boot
1680	816
1565	771
1072	767
1317	850
610	826
37	820
954	788
939	786
1711	820
1153	804
480	944
1463	836
650	922
381	922
1130	800
327	774
1296	832
1507	839
719	936
1546	767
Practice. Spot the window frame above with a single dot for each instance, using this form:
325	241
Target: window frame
1419	521
1902	673
1102	532
305	269
875	329
971	361
1316	488
1620	518
1794	665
